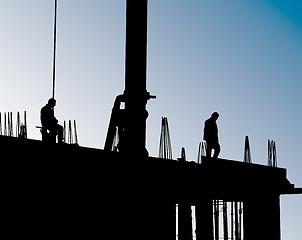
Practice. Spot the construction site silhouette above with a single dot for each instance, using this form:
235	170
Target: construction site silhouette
120	192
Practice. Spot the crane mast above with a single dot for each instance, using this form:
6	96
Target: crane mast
131	121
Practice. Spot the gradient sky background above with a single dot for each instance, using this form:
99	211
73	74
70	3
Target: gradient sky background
242	59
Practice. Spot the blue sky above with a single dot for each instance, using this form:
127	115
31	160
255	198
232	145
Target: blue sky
242	59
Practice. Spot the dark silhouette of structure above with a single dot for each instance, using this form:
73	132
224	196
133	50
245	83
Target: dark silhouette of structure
210	135
50	127
72	191
76	191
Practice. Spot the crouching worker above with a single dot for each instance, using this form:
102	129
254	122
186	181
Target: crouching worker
50	127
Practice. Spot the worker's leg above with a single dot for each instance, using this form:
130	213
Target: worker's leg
44	134
209	148
216	150
60	133
52	133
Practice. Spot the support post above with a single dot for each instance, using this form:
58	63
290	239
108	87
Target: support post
216	219
204	219
261	218
184	221
236	222
225	221
161	220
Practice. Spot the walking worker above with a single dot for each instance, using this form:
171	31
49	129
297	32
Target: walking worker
210	135
49	122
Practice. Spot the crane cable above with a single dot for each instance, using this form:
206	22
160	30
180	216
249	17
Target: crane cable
54	52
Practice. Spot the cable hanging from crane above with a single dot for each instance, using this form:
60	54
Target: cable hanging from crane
54	51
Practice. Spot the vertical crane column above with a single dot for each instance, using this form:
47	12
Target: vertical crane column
136	95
